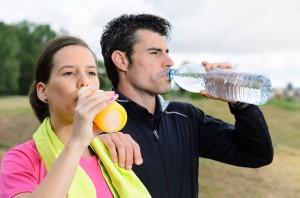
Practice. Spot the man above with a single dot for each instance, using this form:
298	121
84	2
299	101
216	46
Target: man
173	135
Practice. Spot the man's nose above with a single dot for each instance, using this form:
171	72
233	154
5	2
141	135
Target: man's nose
169	61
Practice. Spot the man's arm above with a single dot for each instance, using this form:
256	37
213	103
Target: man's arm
248	143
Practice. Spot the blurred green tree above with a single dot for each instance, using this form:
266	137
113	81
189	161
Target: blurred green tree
32	38
105	83
9	68
20	44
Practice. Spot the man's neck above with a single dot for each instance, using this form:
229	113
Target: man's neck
140	97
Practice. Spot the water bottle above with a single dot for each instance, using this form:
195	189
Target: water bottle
223	83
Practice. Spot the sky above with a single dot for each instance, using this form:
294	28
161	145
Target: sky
256	36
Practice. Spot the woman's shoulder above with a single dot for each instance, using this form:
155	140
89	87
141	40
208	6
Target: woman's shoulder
21	169
26	151
28	147
24	158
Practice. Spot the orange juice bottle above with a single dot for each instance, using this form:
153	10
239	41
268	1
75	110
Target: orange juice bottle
112	118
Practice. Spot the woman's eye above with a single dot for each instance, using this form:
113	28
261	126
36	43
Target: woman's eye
68	73
92	73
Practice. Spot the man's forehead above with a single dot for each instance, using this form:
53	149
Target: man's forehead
146	35
151	39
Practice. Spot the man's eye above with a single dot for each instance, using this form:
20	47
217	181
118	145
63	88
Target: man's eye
154	52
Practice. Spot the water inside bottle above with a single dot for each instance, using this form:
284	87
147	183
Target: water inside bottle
190	77
190	81
249	88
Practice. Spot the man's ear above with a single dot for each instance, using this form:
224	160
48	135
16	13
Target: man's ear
41	92
120	60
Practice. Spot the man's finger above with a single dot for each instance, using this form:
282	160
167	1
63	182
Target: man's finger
138	160
120	147
106	139
125	138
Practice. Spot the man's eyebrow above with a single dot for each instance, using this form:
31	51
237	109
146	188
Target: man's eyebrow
154	49
157	49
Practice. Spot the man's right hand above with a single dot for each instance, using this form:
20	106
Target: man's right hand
210	66
123	149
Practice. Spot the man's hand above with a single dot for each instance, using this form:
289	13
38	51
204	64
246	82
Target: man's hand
123	149
210	66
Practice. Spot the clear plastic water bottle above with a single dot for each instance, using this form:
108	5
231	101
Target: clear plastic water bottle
223	83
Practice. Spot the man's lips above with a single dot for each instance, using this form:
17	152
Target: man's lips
164	74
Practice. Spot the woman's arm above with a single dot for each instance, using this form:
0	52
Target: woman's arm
59	178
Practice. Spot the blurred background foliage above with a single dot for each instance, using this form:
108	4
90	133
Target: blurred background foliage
20	44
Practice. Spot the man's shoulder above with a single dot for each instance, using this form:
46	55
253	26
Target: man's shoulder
180	105
184	108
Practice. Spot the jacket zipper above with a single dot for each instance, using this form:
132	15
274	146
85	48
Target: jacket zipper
163	165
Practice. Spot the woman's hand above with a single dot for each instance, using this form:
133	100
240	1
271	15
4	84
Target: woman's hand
123	149
90	102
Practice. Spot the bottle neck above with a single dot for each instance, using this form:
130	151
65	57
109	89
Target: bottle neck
171	73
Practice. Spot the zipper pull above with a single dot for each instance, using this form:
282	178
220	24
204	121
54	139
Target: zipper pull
156	135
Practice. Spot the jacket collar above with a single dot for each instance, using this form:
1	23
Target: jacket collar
161	103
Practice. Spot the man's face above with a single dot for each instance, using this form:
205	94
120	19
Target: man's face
150	62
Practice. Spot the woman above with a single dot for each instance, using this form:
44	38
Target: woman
47	166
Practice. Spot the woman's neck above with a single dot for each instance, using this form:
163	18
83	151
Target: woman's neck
63	131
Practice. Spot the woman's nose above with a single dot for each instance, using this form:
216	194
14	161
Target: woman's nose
82	81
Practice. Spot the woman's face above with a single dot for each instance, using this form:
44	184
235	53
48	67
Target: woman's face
74	66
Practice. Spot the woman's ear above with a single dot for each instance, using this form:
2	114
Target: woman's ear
41	92
120	60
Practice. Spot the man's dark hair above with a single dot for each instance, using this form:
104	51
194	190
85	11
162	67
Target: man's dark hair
120	34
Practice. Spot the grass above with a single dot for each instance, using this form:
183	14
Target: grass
4	146
293	106
284	126
14	106
280	179
17	121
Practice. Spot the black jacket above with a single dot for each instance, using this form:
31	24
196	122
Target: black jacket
173	139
